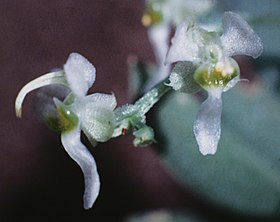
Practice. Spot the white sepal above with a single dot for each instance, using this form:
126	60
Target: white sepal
183	45
79	153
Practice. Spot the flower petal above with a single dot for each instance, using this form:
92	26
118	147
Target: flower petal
184	46
47	79
207	127
80	73
239	38
97	116
79	153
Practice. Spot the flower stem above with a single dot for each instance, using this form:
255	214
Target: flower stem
133	116
146	102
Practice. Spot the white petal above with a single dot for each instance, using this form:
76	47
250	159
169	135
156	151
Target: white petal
47	79
239	38
183	46
80	73
97	116
207	127
79	153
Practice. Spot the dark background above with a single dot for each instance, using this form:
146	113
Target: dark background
38	180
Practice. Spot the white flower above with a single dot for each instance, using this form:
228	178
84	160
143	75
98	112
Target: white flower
215	71
161	16
93	114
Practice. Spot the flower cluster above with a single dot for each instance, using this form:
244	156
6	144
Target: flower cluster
161	16
204	61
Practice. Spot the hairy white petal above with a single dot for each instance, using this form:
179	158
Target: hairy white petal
79	153
97	116
239	38
207	127
183	46
47	79
80	73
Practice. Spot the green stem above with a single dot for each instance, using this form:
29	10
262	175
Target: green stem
135	114
145	103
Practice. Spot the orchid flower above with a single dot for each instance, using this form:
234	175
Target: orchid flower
93	114
204	61
160	17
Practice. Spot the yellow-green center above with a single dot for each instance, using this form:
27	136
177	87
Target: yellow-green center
216	75
67	120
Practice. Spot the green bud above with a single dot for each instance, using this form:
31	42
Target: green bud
144	136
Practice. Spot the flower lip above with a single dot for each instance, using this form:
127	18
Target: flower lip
207	126
79	153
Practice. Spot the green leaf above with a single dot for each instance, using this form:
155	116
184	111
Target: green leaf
244	175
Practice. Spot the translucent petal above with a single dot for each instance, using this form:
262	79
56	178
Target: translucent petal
79	153
207	127
47	79
239	38
183	46
80	73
